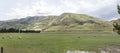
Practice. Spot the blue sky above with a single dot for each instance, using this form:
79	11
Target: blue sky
16	9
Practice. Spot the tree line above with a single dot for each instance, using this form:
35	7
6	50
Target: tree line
13	30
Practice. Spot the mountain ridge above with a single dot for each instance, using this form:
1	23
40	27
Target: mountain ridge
65	21
71	21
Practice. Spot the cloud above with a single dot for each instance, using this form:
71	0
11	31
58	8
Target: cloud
97	8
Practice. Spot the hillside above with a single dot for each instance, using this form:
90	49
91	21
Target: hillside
116	21
65	21
20	23
71	21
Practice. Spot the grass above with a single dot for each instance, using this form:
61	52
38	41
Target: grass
56	42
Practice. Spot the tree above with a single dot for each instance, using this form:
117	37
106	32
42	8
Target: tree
116	28
117	25
118	7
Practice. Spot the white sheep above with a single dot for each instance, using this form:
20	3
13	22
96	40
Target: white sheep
19	37
10	37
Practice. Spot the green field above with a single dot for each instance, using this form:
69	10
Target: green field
56	42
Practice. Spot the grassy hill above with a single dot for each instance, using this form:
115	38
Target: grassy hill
116	21
65	21
71	21
20	23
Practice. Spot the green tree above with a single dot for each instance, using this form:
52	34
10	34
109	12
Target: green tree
118	7
117	25
116	28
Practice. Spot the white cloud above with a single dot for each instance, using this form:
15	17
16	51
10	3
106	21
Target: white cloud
114	19
45	7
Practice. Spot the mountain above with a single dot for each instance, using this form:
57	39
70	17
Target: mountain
65	21
116	21
20	23
71	21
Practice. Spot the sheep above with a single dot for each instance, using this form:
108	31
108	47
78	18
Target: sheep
10	37
19	37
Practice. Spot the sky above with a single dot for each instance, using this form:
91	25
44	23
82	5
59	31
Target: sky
16	9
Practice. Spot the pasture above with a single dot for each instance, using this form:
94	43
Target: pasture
56	42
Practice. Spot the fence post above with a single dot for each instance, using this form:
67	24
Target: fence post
1	49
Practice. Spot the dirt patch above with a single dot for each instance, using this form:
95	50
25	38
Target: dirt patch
77	51
112	49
